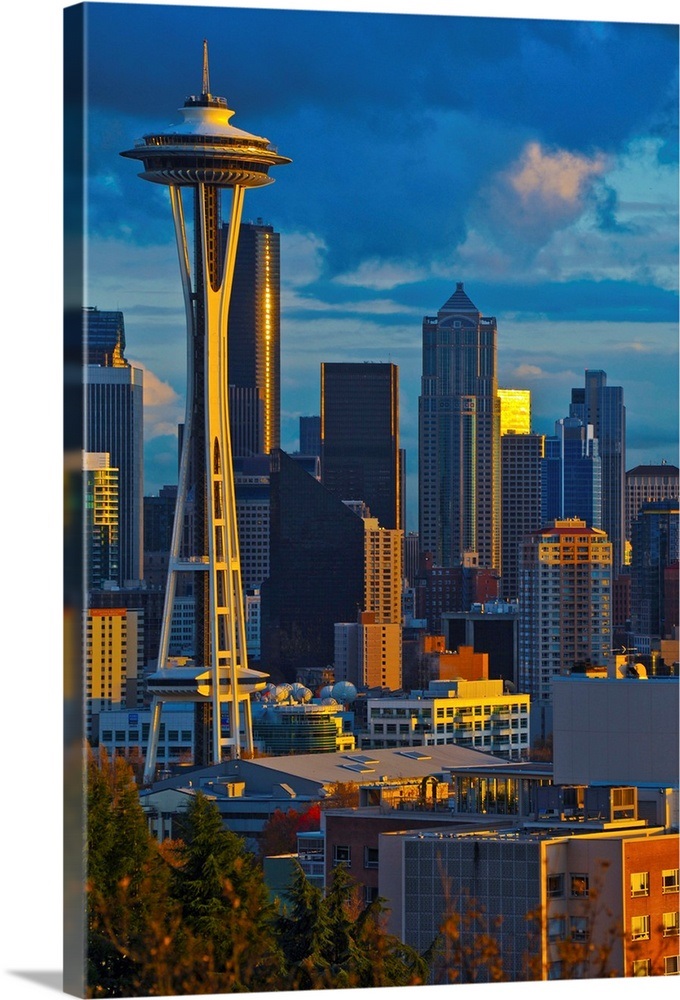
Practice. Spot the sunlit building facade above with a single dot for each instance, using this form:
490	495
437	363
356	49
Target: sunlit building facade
101	519
515	411
459	437
113	660
254	342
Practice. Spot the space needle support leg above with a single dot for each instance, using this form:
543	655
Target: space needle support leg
227	623
180	505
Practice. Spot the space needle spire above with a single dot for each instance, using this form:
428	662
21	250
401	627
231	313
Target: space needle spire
206	70
208	156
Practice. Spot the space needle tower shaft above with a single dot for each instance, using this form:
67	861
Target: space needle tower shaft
210	157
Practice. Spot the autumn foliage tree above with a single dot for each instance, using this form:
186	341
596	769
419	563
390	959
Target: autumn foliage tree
279	835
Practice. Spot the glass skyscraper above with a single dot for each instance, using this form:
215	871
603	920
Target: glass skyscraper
602	406
459	437
360	457
254	341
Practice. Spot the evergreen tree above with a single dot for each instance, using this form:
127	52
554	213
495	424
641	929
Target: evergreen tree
304	934
125	877
224	899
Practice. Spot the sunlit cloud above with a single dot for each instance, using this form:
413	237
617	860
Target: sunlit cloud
163	406
550	179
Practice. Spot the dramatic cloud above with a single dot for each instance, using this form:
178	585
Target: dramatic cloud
534	160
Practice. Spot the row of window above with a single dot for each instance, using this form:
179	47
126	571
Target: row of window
342	855
670	882
640	926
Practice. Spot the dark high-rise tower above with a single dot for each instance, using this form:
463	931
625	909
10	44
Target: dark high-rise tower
360	458
206	154
602	406
316	573
521	493
655	533
254	344
104	336
459	437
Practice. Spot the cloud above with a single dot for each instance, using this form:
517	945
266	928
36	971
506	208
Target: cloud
382	274
163	407
553	181
528	371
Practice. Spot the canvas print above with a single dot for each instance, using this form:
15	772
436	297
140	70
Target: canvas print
371	367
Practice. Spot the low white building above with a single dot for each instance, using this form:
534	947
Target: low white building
476	714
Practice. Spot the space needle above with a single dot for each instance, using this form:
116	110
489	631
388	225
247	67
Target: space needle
208	155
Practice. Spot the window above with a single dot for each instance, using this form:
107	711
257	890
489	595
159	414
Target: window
641	967
670	924
639	928
578	928
639	884
342	854
669	880
555	886
370	857
579	886
556	928
555	970
370	893
671	965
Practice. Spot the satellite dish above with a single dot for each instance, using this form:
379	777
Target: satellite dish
344	691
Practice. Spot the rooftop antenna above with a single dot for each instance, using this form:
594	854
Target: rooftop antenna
206	73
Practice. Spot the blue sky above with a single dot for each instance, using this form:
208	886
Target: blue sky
534	160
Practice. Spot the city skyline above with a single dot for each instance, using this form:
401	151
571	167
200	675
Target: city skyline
563	227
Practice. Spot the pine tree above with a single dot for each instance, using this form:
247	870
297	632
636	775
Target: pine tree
125	876
224	900
304	934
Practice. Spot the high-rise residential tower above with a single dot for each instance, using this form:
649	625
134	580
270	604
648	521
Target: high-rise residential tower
254	342
101	519
114	424
565	603
360	456
207	154
459	436
602	406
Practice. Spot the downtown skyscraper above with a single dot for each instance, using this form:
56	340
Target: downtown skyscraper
114	425
360	456
459	437
602	406
254	343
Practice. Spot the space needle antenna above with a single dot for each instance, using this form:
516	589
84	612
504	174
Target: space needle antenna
206	71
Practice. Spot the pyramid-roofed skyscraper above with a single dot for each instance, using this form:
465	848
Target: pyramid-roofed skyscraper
459	437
